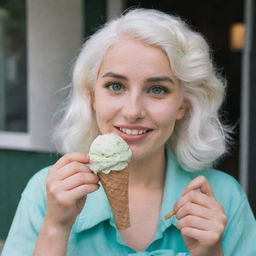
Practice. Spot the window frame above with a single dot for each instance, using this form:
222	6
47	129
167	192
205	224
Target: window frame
247	175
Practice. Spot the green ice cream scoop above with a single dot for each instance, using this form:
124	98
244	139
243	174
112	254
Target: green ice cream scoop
109	152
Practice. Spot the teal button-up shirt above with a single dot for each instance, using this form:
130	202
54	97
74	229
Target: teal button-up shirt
94	232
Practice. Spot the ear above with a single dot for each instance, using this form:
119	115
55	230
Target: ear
182	110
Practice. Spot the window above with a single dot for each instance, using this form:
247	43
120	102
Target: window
53	33
13	66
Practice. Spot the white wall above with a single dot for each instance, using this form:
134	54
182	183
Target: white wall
55	29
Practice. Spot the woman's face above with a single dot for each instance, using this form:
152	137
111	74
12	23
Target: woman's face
137	97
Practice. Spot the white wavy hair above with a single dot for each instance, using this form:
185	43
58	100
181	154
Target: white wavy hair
199	138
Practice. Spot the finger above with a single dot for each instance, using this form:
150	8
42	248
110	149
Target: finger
194	222
195	210
79	179
194	233
207	238
71	157
71	169
81	191
196	197
201	183
56	175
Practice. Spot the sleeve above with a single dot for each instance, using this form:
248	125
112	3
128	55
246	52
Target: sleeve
240	235
27	220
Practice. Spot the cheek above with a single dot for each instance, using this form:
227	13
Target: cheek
166	120
168	123
105	110
101	111
165	116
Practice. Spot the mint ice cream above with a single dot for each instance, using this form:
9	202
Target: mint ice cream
109	152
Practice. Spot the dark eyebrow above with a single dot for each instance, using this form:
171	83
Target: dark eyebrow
114	75
160	79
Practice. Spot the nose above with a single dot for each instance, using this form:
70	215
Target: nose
133	107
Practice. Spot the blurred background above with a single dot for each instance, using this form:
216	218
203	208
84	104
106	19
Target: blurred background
39	40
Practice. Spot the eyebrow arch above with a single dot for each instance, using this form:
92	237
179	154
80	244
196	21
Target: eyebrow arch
114	75
149	80
160	79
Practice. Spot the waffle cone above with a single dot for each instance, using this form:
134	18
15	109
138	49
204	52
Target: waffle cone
115	185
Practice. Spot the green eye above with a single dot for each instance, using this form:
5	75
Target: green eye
158	90
114	86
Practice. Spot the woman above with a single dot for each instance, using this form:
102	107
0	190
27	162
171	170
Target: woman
148	78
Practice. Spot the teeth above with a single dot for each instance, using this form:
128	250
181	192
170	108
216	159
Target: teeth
132	131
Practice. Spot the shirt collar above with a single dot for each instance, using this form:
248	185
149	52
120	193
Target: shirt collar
175	182
97	208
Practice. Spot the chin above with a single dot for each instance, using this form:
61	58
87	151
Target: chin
141	153
137	154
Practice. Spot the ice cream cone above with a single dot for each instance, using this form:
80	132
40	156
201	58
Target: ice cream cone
115	185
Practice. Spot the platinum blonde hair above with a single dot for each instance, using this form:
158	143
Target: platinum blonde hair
199	138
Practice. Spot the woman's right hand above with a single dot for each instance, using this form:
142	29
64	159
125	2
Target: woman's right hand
68	182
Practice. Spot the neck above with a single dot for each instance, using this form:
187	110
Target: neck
150	172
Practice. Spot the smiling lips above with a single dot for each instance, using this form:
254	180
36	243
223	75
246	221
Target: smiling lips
133	131
133	135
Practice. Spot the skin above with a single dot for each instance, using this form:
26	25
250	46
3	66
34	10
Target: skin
135	90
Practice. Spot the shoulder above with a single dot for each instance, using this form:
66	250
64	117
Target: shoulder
28	217
216	176
36	186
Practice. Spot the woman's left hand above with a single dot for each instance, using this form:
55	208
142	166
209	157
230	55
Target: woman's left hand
201	219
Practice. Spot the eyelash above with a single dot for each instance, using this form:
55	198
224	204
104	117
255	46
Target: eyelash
163	88
109	84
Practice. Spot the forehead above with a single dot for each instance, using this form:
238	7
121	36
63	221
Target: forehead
128	55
